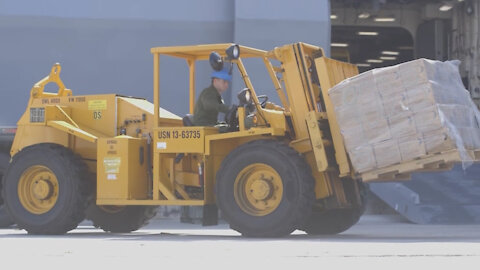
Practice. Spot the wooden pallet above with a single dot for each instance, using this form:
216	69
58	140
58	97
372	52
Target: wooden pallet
443	161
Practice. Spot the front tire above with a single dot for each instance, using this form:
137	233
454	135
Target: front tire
264	189
334	221
120	219
46	189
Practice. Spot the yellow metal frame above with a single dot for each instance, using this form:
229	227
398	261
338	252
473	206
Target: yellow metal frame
82	123
54	77
340	54
191	54
305	112
330	73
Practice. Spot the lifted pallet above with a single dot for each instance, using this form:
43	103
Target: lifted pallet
430	163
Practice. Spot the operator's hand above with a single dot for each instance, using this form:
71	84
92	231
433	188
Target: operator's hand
250	108
231	117
232	113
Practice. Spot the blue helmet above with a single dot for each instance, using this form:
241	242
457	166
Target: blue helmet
222	74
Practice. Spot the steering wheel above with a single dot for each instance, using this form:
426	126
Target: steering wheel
264	101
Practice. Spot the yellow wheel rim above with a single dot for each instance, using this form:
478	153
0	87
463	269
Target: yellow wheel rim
258	189
38	189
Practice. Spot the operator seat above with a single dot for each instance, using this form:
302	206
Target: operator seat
188	120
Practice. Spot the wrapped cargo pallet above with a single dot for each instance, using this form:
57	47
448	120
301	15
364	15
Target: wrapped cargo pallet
405	112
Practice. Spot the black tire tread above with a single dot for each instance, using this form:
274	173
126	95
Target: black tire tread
335	221
332	221
303	172
136	217
81	195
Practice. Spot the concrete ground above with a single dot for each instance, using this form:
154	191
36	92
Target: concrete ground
377	241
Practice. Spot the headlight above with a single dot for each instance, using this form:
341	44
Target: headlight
244	96
247	96
233	52
216	61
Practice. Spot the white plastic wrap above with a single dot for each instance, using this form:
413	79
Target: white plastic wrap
405	112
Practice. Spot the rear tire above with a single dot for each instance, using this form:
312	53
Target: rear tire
120	219
5	219
264	189
46	189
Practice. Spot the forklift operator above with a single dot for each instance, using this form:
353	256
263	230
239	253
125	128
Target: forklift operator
210	101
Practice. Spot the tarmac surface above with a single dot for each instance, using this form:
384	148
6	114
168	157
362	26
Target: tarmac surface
376	242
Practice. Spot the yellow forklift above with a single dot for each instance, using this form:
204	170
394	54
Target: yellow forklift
113	159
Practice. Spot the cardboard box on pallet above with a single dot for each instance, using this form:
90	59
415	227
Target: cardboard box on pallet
372	113
417	72
411	147
427	120
348	116
362	133
405	112
437	141
345	95
353	136
402	125
376	131
395	103
386	153
363	158
420	97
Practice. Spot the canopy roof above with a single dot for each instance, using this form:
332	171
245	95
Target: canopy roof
202	52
